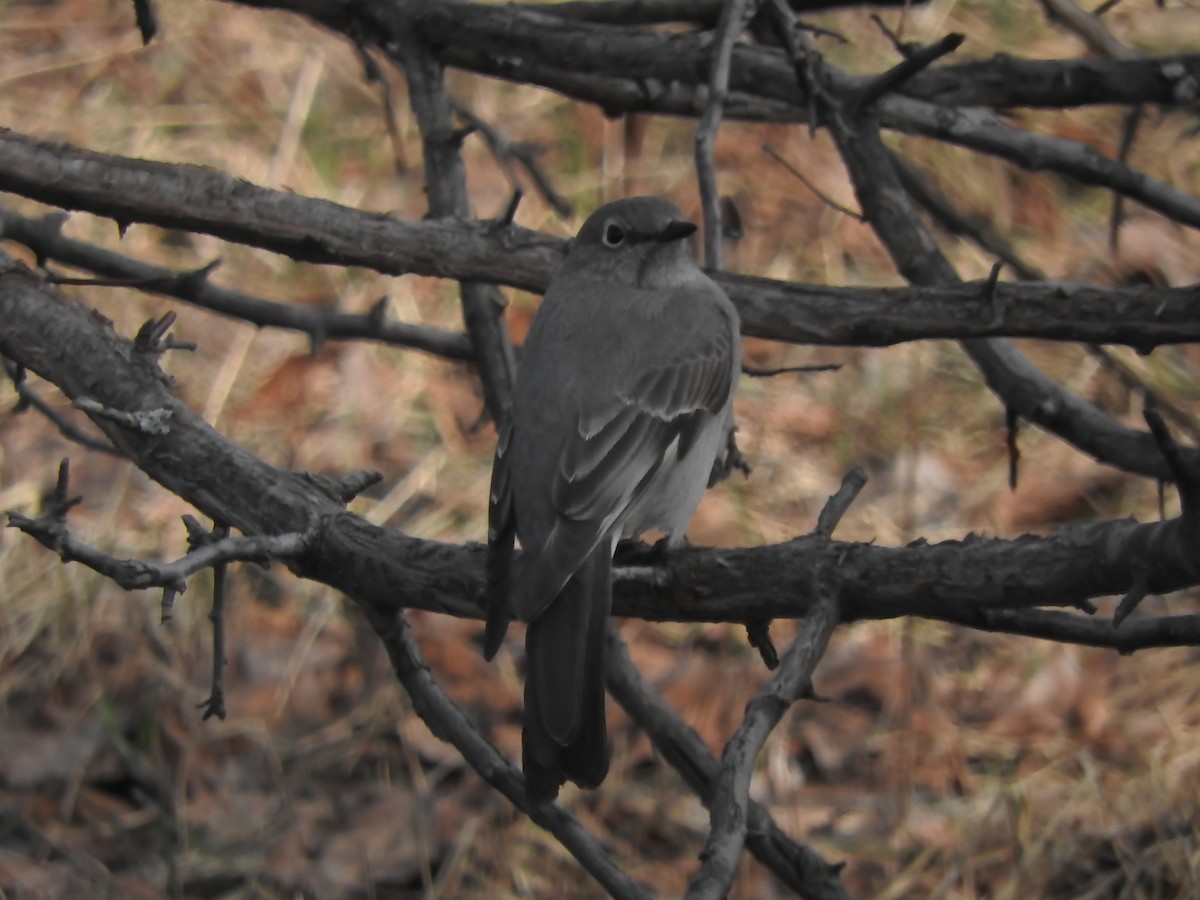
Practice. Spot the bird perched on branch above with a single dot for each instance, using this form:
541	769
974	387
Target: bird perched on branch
622	406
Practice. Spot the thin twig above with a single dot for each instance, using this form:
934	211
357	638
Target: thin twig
1135	382
507	153
214	705
1129	127
391	121
729	26
136	574
144	421
147	21
835	507
1088	26
752	372
824	198
27	397
944	212
1187	475
796	865
914	61
1012	426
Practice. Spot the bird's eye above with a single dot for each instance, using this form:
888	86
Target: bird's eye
614	235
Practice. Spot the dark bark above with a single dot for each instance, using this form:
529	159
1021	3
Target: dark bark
386	570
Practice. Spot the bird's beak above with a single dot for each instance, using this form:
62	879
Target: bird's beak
675	230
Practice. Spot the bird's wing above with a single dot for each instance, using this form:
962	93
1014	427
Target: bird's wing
502	530
622	442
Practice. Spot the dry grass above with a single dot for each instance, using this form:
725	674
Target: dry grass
952	764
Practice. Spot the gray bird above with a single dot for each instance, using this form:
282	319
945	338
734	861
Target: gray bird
622	405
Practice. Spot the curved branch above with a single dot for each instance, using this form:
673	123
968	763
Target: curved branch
796	865
889	209
984	131
384	570
196	198
319	231
439	711
731	792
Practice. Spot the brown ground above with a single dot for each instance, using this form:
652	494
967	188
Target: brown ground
949	764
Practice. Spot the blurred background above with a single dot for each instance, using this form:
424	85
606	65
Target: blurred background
948	764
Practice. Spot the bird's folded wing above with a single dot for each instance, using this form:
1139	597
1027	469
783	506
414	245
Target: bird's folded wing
502	530
619	446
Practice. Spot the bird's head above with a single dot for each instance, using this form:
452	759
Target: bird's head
637	241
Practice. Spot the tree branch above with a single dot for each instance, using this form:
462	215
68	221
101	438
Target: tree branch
731	792
44	237
198	199
448	722
195	198
1019	385
446	186
729	27
796	865
793	681
560	54
384	569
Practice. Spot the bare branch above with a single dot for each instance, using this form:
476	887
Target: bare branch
147	20
202	200
1087	26
657	12
28	397
1071	628
730	796
50	531
732	20
1182	418
447	721
215	704
508	155
796	865
58	340
446	185
792	681
828	201
195	198
835	507
916	60
949	217
44	237
984	131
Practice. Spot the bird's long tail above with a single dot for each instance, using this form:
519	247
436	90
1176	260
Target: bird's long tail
564	735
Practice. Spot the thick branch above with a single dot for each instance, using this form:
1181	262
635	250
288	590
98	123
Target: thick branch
194	198
661	12
560	54
383	570
203	200
573	56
